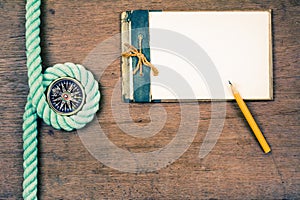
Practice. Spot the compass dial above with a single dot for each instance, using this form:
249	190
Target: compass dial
66	96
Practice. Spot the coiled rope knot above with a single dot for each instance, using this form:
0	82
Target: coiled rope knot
38	106
50	117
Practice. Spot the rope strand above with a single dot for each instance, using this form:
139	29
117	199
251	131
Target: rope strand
36	101
33	50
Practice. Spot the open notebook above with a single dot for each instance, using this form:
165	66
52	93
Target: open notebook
196	53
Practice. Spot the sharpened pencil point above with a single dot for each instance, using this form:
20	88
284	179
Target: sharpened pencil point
229	82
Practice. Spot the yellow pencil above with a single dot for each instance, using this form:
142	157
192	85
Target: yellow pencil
261	139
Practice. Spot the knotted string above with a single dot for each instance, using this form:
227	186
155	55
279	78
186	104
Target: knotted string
142	60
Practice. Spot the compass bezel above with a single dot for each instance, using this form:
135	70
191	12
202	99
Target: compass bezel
76	82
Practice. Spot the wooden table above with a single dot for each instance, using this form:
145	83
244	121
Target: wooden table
236	168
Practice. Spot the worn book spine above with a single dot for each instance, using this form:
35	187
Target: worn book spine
125	62
135	87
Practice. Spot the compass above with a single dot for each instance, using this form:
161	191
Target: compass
66	96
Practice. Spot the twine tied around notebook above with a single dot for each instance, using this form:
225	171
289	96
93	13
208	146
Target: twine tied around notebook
142	60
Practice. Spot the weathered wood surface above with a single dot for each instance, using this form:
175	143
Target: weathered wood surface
235	169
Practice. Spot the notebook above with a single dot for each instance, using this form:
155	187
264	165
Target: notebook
196	54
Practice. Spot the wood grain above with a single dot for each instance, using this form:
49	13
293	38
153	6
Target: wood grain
235	169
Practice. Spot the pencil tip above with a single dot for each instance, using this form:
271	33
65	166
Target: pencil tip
229	82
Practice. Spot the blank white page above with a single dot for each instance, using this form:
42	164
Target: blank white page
238	43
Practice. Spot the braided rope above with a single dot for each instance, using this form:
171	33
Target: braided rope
37	105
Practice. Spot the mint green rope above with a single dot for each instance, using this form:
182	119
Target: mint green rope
37	105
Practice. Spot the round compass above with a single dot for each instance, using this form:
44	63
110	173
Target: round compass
66	96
